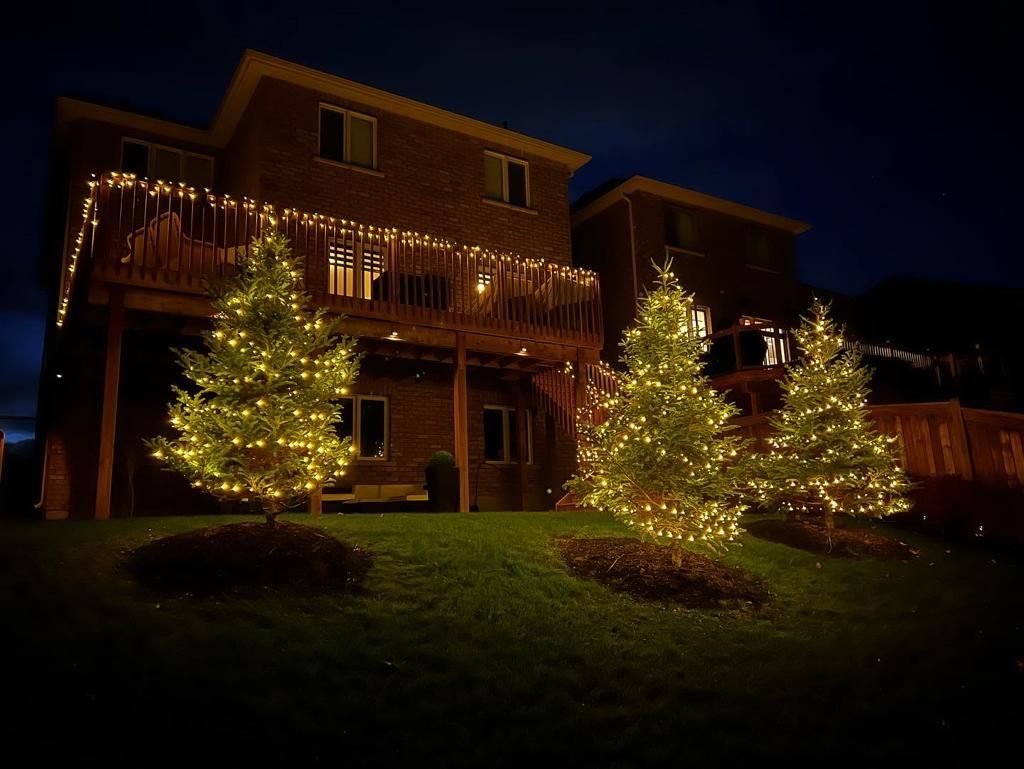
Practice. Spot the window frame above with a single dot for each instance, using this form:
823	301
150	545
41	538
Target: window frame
667	211
506	434
761	234
773	356
505	160
367	264
705	310
346	144
181	153
357	420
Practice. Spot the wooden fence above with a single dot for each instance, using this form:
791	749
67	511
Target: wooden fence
939	440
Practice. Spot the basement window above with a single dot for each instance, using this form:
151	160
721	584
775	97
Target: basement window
506	179
156	161
347	137
364	419
501	435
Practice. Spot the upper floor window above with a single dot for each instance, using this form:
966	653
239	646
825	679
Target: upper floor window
680	230
506	179
501	435
364	419
348	137
762	251
155	161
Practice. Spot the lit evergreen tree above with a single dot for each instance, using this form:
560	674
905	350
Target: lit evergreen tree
260	423
825	456
663	460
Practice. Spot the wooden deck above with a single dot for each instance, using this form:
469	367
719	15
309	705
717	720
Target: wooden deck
172	240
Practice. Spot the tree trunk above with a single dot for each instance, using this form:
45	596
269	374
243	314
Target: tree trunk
271	510
677	556
830	524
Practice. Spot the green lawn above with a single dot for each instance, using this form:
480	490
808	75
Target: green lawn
474	646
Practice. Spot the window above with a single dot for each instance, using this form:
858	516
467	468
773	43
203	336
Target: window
348	137
762	251
155	161
506	179
680	231
776	339
364	419
352	269
501	435
701	320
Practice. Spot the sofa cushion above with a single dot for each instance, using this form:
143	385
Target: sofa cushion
366	491
392	491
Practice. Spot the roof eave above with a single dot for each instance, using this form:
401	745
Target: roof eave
687	197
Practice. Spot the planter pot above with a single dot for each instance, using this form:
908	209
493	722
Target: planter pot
443	489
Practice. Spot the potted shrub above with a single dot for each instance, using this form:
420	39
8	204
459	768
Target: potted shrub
443	483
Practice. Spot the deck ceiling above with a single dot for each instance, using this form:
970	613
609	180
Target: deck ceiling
376	337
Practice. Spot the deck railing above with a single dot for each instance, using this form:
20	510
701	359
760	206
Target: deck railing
750	346
172	237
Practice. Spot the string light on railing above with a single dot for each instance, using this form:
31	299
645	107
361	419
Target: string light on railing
88	219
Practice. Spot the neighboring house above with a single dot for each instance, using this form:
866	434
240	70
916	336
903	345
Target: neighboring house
739	262
445	241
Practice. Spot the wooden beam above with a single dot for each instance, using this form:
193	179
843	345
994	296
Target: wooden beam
961	445
550	450
108	419
522	412
460	399
316	502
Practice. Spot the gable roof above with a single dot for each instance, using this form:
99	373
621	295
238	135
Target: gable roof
592	205
255	65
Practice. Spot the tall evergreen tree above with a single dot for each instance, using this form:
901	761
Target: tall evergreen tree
260	421
664	460
825	456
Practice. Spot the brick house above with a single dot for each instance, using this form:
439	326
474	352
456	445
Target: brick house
445	242
738	261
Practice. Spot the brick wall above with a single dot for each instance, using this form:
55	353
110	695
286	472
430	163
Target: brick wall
720	279
430	179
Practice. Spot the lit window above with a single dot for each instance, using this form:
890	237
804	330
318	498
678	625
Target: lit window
776	339
506	179
501	435
352	270
364	418
680	231
348	137
701	317
155	161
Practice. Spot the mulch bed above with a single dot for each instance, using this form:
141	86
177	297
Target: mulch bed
645	571
244	557
846	543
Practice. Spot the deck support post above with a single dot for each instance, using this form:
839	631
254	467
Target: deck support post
316	501
523	437
579	370
108	420
461	421
550	455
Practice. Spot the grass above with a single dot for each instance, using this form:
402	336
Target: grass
473	646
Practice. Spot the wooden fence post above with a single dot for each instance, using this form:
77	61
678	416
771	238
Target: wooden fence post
961	446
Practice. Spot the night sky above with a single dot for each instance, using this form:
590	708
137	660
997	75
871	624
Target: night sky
894	129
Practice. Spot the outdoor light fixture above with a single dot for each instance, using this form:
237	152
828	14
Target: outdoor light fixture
522	351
